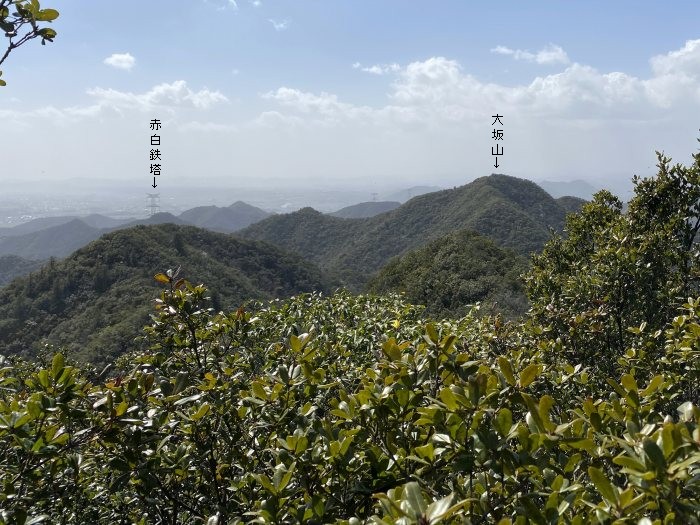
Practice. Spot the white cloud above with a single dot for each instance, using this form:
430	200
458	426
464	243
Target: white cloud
378	69
437	90
163	95
325	108
121	61
279	25
548	55
275	119
206	127
255	3
685	61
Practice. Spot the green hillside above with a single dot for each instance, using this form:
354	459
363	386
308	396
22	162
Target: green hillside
12	266
451	273
514	213
94	301
571	204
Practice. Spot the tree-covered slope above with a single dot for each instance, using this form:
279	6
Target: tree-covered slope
453	272
514	213
94	301
12	266
571	204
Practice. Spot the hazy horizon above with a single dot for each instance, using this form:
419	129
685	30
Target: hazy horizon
349	96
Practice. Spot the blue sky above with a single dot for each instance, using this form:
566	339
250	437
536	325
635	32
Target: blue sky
342	92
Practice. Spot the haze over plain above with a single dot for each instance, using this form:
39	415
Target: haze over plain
369	97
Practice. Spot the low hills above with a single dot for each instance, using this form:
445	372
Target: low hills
225	220
48	237
514	213
365	209
55	241
453	272
95	301
94	220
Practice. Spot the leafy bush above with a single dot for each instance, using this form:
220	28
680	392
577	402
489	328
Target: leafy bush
345	408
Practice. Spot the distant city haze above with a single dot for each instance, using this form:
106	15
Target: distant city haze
326	104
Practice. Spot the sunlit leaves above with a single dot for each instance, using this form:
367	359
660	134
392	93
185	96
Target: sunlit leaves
21	25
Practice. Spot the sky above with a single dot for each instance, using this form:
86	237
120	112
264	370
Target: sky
352	93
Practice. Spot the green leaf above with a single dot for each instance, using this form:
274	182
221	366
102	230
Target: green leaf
426	451
432	332
506	369
582	444
43	377
162	278
529	374
282	481
187	399
414	496
629	383
653	386
57	366
203	411
630	463
258	390
439	509
603	485
654	453
503	421
448	397
47	15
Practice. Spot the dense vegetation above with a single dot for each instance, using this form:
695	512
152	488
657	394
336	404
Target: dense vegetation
513	212
95	302
351	409
451	273
12	266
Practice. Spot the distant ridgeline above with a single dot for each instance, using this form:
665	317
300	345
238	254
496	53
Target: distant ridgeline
514	213
61	236
95	302
445	250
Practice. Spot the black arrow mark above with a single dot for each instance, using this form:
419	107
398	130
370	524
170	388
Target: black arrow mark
154	179
496	165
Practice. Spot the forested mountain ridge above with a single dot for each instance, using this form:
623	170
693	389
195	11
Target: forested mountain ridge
94	301
514	213
453	272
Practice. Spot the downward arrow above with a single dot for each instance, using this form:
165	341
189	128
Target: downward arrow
154	179
496	165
